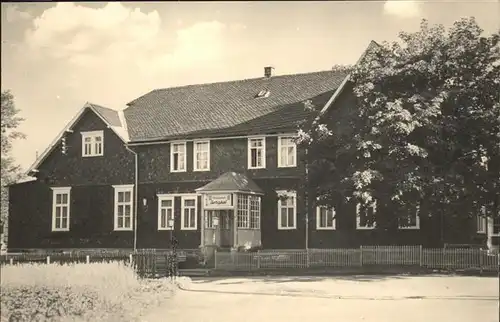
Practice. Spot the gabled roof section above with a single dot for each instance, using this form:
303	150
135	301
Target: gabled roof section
222	107
371	46
232	181
110	117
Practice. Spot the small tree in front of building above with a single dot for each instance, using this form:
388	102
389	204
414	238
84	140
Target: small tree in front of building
10	171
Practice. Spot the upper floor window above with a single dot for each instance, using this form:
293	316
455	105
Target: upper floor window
92	143
123	207
287	210
178	156
60	208
325	218
365	218
411	220
201	153
287	152
256	153
189	217
165	212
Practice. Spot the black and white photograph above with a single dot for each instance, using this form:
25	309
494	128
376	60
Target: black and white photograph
220	161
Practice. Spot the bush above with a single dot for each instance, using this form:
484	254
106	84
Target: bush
77	292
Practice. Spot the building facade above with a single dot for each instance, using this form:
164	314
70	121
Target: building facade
214	165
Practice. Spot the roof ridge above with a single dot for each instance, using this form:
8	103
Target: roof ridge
100	106
231	81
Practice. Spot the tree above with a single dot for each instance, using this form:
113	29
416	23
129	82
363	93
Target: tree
10	172
425	131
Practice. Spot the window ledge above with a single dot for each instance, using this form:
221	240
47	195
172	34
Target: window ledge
365	228
57	230
123	229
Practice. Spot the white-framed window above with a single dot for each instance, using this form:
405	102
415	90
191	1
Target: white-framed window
287	209
495	226
123	206
177	156
481	224
61	199
92	143
325	218
257	153
365	218
287	152
209	219
242	206
189	217
201	155
411	220
248	211
254	205
481	221
165	212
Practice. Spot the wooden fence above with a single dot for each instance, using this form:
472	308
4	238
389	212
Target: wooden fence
365	256
146	262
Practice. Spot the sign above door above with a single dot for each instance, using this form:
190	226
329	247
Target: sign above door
218	201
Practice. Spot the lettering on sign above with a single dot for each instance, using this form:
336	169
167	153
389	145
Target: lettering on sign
218	201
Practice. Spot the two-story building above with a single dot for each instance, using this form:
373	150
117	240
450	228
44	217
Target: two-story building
213	164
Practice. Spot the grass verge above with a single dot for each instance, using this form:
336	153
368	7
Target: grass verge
78	292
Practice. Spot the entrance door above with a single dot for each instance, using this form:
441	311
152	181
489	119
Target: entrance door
226	228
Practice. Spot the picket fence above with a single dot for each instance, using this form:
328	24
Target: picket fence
381	256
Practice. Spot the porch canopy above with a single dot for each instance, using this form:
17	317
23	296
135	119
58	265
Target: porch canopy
232	182
218	194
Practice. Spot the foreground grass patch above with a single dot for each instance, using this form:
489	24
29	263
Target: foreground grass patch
77	292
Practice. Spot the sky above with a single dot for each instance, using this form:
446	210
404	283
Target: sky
57	56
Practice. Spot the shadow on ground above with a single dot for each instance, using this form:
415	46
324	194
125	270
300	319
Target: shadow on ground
288	279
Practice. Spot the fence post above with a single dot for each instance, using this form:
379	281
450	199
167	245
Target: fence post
87	259
307	258
360	255
130	258
420	256
48	259
215	258
11	260
258	259
481	261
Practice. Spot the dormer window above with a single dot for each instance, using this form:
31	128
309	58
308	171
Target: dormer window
92	144
263	93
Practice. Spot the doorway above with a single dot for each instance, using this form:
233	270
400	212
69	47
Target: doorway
226	224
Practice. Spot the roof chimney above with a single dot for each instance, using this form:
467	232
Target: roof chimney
268	71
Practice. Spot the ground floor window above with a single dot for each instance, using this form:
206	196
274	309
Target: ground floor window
411	220
61	208
165	212
123	207
254	202
248	210
287	209
325	218
189	217
365	218
209	219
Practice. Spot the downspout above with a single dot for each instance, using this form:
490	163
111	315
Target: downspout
307	200
136	196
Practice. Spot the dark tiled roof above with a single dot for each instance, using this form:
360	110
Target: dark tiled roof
108	114
228	107
231	181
